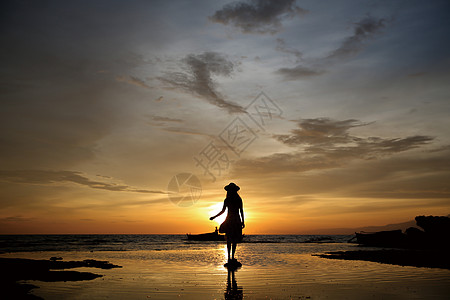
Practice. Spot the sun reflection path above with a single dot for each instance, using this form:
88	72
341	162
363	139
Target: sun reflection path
225	253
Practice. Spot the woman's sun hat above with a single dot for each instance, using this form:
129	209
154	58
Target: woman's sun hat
232	187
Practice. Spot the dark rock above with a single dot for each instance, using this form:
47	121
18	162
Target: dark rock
16	269
434	225
437	230
54	258
434	236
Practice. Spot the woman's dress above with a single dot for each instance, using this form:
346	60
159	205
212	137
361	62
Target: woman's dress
232	226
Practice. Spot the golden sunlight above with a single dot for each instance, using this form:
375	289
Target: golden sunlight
214	210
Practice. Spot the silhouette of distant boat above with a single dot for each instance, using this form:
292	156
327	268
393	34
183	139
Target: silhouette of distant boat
210	236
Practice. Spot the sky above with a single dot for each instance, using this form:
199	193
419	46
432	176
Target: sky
131	116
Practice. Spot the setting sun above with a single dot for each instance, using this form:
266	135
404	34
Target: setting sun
214	210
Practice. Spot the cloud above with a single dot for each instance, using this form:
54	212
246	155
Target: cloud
407	177
133	81
412	177
331	139
257	16
164	123
184	130
363	30
282	47
16	219
50	177
320	131
197	79
323	143
298	72
165	119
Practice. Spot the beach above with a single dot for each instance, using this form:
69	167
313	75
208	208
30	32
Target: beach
271	270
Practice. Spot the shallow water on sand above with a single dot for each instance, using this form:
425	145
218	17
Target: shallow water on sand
269	271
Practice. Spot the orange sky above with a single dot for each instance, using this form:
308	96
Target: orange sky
324	119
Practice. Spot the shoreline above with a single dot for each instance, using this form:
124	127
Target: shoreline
401	257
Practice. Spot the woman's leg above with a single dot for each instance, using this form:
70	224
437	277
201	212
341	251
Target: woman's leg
233	250
229	248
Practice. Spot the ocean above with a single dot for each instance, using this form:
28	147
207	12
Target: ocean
134	242
273	267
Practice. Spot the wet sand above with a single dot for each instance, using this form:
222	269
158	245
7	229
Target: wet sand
402	257
283	271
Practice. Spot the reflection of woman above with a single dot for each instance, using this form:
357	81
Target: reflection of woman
233	291
233	224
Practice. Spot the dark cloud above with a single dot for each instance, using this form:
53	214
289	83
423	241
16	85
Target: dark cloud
363	30
197	79
419	176
49	177
298	72
331	139
282	47
257	16
320	131
323	143
281	163
407	177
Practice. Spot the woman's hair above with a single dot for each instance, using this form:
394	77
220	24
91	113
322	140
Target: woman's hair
233	195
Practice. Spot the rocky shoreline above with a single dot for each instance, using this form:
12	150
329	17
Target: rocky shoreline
417	248
53	270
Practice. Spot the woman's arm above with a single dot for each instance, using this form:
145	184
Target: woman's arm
241	209
221	212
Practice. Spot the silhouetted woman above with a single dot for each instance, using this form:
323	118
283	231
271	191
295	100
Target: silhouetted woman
233	224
